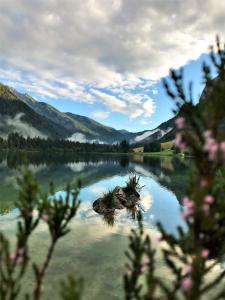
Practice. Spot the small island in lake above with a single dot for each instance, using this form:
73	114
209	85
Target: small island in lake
119	197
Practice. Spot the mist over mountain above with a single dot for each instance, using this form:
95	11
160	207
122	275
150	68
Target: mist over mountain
23	114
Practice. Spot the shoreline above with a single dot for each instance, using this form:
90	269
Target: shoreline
59	151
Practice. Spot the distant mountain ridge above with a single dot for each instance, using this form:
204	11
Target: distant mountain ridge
33	118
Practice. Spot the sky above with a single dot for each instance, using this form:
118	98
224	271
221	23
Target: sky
105	59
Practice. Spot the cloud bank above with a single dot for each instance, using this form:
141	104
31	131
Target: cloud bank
81	138
15	124
103	51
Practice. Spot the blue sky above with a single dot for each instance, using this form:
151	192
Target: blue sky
163	104
105	58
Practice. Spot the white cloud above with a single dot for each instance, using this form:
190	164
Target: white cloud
149	107
17	124
78	48
143	122
110	101
78	137
101	114
81	138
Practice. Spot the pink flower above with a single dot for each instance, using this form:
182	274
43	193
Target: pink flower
189	208
185	200
208	143
45	217
179	141
187	269
205	253
211	146
187	214
209	199
186	284
213	151
188	202
190	205
180	122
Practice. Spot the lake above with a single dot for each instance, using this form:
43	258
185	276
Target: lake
94	250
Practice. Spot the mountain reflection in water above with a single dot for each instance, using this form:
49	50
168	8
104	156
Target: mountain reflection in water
94	248
170	173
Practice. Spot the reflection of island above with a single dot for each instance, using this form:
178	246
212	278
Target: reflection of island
109	217
90	168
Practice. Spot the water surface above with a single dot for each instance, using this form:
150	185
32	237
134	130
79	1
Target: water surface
94	250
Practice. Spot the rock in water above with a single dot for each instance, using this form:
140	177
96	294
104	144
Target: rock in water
101	208
121	201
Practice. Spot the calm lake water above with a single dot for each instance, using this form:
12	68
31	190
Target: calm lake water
94	250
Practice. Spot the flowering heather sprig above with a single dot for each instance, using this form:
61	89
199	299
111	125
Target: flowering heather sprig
209	199
203	236
186	284
189	208
187	269
205	253
32	208
212	147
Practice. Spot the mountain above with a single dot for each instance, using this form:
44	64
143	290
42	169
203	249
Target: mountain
66	125
22	113
17	116
78	127
98	131
163	133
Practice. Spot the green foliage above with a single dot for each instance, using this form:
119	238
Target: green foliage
191	254
15	141
71	289
152	147
33	206
124	145
141	263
